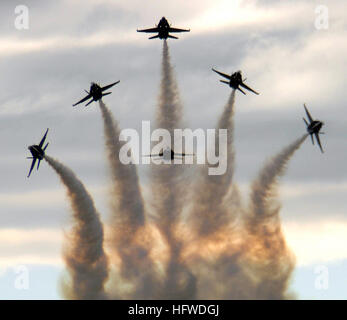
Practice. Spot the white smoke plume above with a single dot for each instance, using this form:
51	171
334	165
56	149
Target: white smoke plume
84	254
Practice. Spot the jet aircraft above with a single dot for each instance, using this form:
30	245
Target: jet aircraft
313	128
96	93
235	81
163	30
37	152
169	154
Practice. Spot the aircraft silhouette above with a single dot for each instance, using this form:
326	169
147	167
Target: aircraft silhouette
169	154
163	29
37	152
235	81
96	93
313	128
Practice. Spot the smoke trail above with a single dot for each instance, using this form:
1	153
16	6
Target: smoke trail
84	255
170	109
264	187
209	213
128	214
269	258
168	193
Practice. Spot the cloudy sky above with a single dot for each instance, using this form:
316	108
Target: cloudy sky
276	44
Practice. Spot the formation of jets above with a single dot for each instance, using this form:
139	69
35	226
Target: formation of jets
235	81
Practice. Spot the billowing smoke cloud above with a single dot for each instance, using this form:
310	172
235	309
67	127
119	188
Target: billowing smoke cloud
129	240
221	250
84	254
254	262
168	195
266	247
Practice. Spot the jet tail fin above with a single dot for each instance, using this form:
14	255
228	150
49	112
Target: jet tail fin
312	139
38	164
44	149
107	93
224	81
305	122
172	37
154	37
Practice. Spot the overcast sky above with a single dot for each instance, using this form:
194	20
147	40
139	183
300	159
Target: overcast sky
276	44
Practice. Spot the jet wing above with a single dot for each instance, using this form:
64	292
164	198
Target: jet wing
32	166
109	86
248	88
178	30
43	139
318	140
222	74
84	99
150	30
308	114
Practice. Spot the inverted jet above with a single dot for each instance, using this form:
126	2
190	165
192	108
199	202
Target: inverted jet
235	81
96	93
163	30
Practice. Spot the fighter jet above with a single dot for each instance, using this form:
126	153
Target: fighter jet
235	81
96	93
169	154
313	128
163	29
37	153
